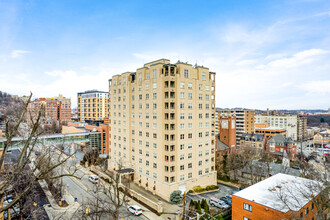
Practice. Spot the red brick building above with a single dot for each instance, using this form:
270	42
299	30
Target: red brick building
279	143
281	196
57	109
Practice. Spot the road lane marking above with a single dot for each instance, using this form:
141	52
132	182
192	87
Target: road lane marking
76	180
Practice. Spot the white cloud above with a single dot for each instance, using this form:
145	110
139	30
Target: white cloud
317	87
18	53
300	58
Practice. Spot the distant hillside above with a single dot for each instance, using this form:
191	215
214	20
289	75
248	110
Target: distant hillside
6	99
8	103
316	120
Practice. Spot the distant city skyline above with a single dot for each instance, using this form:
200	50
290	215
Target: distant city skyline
266	54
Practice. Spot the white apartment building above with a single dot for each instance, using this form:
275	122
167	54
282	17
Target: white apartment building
295	126
162	120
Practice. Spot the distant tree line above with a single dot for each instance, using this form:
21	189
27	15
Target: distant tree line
316	120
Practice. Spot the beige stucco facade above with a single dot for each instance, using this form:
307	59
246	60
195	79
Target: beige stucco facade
162	125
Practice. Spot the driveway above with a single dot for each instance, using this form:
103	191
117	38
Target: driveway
223	191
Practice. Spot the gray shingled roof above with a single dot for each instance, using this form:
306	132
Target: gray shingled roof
249	136
260	168
280	140
220	145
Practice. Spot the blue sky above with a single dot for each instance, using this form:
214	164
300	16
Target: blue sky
272	54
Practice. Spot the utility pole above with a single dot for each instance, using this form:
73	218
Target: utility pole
184	205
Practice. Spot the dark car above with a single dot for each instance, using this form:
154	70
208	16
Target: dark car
226	200
229	197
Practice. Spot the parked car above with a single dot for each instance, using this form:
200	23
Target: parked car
135	209
93	178
218	203
226	200
229	197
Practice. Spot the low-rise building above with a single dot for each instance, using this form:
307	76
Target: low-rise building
280	143
268	131
280	196
259	170
321	138
98	137
253	140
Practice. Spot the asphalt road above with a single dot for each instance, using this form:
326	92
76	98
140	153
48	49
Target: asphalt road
85	191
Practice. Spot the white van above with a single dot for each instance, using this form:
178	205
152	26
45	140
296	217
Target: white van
93	178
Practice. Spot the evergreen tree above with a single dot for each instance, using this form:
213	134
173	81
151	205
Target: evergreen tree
199	207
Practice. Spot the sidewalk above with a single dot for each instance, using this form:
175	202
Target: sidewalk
170	210
146	212
53	209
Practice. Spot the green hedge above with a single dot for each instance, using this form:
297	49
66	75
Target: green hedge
199	189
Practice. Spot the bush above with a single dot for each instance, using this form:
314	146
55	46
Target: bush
176	197
212	187
190	191
198	189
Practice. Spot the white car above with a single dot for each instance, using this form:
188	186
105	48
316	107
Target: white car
135	209
93	178
218	203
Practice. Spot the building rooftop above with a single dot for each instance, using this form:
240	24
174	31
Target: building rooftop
220	145
273	191
91	91
260	168
253	137
271	128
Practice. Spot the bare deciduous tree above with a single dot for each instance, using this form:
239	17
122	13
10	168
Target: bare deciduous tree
23	165
108	197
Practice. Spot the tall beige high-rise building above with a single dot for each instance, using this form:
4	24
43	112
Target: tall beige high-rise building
93	106
162	125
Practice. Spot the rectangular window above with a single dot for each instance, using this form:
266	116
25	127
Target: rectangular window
247	207
182	126
181	115
182	95
182	85
203	76
154	74
189	95
186	73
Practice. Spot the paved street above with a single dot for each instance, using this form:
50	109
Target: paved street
82	189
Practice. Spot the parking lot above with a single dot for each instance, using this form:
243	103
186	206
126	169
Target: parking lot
223	191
